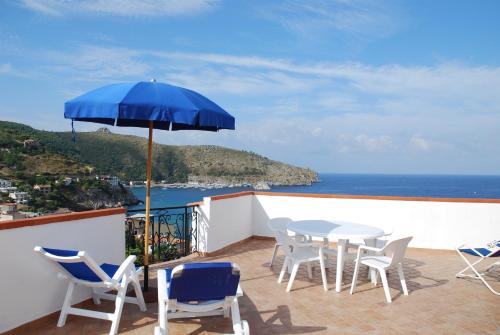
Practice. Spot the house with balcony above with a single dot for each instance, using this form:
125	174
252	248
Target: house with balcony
19	197
6	186
44	189
234	228
114	181
5	183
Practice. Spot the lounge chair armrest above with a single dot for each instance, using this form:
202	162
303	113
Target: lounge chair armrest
127	265
365	247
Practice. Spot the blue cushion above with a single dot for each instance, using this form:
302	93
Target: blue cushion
203	281
483	251
80	270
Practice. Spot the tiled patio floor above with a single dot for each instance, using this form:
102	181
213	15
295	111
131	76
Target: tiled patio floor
438	303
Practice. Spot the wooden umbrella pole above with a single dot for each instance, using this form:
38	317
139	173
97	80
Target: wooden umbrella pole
148	206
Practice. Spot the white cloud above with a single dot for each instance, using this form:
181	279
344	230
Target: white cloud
311	113
378	143
357	17
41	6
316	132
5	68
94	63
419	143
130	8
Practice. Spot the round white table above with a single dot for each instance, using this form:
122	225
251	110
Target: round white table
339	231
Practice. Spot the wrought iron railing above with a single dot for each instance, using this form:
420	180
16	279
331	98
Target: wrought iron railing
173	233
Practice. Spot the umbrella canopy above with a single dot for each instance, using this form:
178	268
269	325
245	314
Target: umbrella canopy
148	105
168	107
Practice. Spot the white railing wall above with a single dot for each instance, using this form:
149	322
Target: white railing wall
434	224
29	287
223	222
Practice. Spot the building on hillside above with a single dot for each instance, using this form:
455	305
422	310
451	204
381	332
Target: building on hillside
8	207
65	181
31	143
44	189
5	183
8	189
8	211
19	197
112	180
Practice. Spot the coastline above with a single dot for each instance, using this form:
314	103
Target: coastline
447	186
216	185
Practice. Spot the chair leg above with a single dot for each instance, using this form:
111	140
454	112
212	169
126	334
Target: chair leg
275	251
295	268
402	278
386	285
469	265
236	318
373	276
120	299
95	297
283	269
138	292
162	329
355	276
309	270
323	270
66	305
477	274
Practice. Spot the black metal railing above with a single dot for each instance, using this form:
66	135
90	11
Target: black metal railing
172	233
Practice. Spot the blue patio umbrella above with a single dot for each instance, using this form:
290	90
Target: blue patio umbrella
150	105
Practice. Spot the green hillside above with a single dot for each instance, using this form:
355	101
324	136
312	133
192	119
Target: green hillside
54	153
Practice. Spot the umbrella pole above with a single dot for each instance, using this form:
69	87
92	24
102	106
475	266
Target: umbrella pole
148	206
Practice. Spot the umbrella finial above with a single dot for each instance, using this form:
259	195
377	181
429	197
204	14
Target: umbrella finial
153	80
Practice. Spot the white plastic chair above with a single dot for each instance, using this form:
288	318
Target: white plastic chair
296	254
279	226
195	290
383	259
80	269
377	243
491	250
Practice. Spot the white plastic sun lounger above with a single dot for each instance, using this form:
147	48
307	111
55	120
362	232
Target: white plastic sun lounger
80	269
196	290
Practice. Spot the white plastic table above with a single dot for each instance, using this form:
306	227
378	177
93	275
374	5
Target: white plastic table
340	231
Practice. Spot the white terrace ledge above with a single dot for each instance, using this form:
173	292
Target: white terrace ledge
29	288
434	223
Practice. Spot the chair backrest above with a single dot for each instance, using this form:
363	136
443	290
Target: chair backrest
76	263
279	229
204	281
278	223
396	249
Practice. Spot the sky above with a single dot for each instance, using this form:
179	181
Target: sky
346	86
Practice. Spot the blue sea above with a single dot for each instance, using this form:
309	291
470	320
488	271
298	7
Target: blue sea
442	186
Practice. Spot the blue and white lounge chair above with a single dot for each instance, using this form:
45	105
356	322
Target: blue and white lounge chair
197	290
80	269
491	250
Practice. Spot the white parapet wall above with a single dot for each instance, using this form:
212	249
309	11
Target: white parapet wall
29	287
433	223
223	221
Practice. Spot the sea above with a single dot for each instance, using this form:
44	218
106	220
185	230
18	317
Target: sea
439	186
